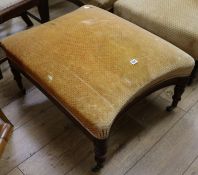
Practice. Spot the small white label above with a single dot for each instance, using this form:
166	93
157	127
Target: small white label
86	7
50	77
134	61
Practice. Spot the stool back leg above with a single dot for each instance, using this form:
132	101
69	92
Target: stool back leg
193	74
178	91
43	9
100	148
17	78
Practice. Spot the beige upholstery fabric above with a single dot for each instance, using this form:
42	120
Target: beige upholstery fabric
105	4
83	59
173	20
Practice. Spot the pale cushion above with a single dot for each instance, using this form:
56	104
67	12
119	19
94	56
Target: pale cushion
174	20
105	4
83	60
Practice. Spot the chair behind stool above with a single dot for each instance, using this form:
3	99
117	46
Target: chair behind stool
20	8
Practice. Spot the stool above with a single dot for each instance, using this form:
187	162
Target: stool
94	65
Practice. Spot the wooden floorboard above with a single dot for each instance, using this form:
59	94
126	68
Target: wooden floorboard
15	171
193	168
148	141
27	107
67	151
32	136
175	152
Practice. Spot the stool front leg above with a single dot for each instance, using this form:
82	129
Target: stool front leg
100	148
178	91
17	78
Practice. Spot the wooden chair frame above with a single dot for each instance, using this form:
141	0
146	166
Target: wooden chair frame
21	9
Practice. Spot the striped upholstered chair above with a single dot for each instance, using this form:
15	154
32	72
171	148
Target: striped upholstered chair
173	20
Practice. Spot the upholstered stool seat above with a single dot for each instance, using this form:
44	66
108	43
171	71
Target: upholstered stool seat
93	64
173	20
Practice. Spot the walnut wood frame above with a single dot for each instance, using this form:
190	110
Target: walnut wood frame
99	144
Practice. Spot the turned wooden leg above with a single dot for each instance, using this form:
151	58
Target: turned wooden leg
193	74
178	91
17	78
27	19
1	74
43	9
100	154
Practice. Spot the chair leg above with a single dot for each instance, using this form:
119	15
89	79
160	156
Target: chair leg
193	74
178	91
27	20
17	78
43	9
100	154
